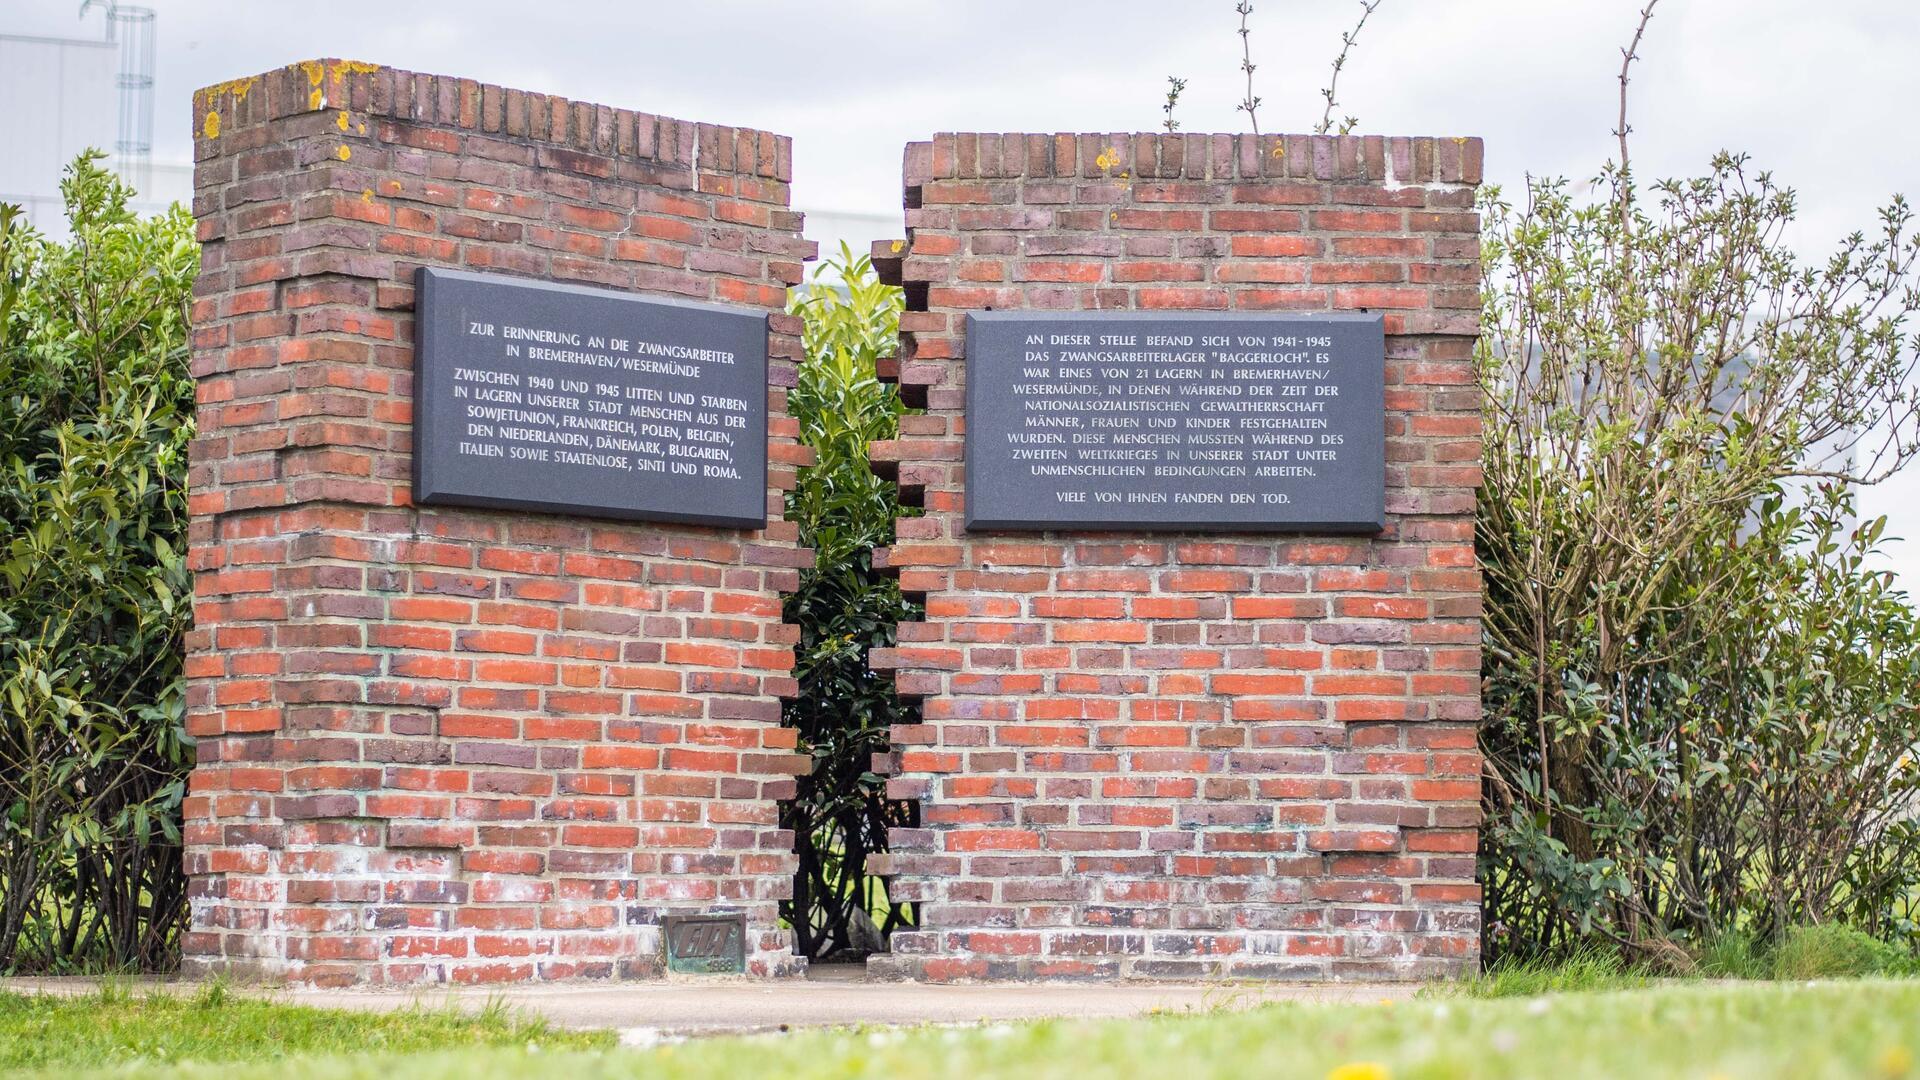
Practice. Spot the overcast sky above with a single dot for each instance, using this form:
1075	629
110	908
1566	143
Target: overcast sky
1821	93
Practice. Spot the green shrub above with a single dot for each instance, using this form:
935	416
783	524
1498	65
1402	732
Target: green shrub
1700	694
844	608
96	416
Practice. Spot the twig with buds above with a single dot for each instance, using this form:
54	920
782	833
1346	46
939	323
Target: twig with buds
1347	41
1252	102
1175	85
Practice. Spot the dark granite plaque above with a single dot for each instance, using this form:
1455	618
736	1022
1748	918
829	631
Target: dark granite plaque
565	399
706	944
1176	420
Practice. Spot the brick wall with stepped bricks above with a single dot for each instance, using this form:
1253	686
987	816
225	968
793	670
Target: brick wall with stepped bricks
1191	755
449	745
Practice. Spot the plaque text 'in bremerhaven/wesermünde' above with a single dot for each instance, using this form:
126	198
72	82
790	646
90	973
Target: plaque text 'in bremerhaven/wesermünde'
537	396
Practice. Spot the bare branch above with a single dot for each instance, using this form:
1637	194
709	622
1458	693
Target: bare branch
1627	56
1347	41
1252	102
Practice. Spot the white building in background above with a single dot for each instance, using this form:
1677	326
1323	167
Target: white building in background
64	95
94	89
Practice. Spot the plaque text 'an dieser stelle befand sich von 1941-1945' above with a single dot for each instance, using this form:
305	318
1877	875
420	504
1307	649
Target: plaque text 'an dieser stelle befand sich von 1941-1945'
537	396
1175	420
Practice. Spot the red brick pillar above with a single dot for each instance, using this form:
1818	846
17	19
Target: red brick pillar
1192	754
446	744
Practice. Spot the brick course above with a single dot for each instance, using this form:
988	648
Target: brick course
451	745
1191	755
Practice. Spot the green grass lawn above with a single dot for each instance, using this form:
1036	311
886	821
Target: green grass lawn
1837	1029
149	1033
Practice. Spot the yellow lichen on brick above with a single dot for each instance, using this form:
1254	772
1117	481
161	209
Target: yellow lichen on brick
237	88
322	76
343	120
366	196
1108	158
897	245
210	98
345	152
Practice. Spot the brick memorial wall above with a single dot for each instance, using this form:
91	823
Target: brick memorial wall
1205	752
467	745
470	707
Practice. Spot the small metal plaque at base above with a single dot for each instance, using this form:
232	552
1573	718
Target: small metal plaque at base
707	944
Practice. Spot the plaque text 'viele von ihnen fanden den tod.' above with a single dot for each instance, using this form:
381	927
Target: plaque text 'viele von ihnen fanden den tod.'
1175	420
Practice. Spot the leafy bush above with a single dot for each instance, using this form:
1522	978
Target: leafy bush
97	415
1700	698
844	608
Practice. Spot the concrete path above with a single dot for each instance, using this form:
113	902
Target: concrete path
712	1005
